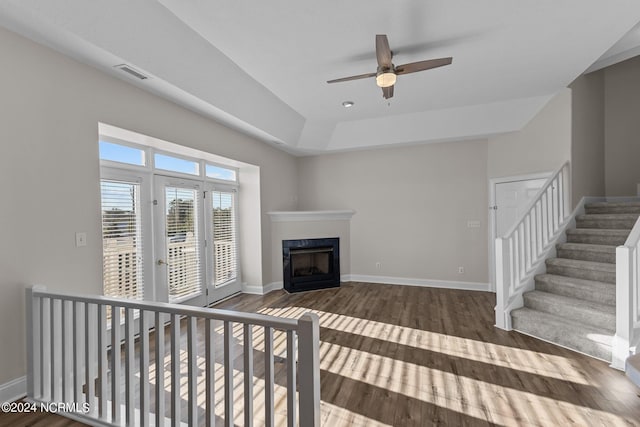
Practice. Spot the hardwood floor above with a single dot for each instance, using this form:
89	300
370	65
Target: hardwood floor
410	356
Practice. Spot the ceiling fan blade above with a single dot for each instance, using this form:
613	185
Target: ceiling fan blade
414	67
383	52
387	92
346	79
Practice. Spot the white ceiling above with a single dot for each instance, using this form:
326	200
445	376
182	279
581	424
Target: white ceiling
262	66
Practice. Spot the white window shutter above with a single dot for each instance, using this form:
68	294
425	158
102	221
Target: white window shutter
122	243
183	249
224	237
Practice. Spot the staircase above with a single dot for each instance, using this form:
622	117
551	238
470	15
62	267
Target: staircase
573	304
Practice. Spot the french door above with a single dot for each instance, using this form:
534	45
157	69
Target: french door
179	241
195	241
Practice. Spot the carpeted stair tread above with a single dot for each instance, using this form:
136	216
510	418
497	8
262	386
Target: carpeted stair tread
597	237
612	207
587	339
632	369
587	252
586	265
578	310
600	271
607	221
590	290
588	247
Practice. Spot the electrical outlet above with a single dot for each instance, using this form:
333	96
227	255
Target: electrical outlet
378	265
460	270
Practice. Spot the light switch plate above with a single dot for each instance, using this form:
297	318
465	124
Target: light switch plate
81	239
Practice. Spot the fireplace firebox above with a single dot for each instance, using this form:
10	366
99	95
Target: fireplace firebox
311	264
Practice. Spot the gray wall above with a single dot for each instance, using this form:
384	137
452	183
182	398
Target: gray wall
412	205
543	145
622	128
587	126
49	173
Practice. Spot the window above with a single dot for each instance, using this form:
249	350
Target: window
122	244
219	172
121	153
224	237
175	164
183	208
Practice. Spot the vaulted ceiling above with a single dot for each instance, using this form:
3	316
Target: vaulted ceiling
262	67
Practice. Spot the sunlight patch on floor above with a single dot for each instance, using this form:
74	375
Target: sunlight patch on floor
479	398
334	415
280	392
495	354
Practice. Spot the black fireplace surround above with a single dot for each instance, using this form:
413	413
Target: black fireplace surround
311	264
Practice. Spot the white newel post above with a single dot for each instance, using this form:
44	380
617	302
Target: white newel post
34	340
309	369
30	335
624	278
502	283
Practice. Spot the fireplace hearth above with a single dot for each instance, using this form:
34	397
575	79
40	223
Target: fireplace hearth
311	264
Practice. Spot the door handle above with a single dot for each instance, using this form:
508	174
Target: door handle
163	262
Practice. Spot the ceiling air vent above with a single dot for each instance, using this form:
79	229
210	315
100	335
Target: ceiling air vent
131	71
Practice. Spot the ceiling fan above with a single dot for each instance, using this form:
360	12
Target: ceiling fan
387	72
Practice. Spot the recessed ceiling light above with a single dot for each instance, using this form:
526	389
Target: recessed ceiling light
348	104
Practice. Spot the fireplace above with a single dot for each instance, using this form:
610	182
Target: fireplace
311	264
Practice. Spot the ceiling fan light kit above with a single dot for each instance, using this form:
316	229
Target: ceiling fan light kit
387	73
386	78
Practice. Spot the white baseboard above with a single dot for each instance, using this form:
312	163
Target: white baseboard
261	290
274	286
13	390
430	283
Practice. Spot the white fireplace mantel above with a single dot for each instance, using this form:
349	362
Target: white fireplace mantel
291	216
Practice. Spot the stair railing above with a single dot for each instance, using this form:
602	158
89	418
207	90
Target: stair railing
522	251
627	337
106	361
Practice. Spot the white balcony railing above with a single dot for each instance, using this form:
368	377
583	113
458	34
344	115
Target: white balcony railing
167	364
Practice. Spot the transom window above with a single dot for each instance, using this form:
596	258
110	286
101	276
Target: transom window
219	172
176	164
122	153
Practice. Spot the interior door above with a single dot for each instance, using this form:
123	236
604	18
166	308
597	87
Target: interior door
512	198
179	241
509	199
221	213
